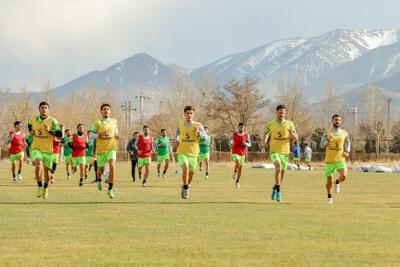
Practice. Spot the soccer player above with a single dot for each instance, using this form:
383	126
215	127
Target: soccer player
89	155
105	131
239	142
56	155
79	144
336	141
144	147
279	131
307	155
296	154
205	147
131	149
16	140
163	145
67	151
43	128
188	136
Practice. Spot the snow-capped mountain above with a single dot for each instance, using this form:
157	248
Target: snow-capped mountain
305	60
138	72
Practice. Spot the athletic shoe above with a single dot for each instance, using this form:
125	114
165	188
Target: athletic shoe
164	176
206	177
237	185
144	185
99	185
45	193
80	183
52	180
39	191
189	186
68	177
278	196
110	194
159	175
19	177
14	180
273	194
106	180
329	200
337	188
185	193
133	180
234	176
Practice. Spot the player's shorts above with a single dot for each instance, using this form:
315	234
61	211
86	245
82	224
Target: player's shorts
307	159
105	157
203	156
162	158
144	161
88	160
47	158
68	159
56	158
330	168
15	157
187	160
78	161
240	158
296	158
281	158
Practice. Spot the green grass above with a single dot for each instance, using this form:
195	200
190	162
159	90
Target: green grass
217	226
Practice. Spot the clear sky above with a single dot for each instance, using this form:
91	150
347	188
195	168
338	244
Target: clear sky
59	40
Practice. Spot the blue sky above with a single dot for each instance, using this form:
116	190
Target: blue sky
59	40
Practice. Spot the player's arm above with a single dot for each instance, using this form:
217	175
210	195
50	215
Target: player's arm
177	136
8	139
116	134
293	133
267	132
201	132
247	143
93	131
346	146
324	140
55	129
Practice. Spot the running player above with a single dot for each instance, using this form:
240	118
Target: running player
205	146
281	132
43	128
163	145
144	147
336	141
240	142
105	131
131	149
89	155
56	155
187	138
78	144
67	151
16	140
296	154
307	155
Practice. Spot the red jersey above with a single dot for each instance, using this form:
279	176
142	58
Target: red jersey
56	145
237	145
79	146
145	146
17	143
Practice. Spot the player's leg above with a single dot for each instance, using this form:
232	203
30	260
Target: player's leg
133	171
342	176
140	167
111	178
329	186
184	163
81	173
47	174
20	163
276	160
192	168
12	159
159	166
145	173
236	159
207	161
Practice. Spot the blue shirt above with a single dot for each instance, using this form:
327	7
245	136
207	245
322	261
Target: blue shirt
296	151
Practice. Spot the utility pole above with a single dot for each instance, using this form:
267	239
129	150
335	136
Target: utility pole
354	111
141	98
388	116
127	108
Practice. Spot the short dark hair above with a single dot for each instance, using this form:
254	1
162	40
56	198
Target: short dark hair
79	124
280	106
104	105
66	130
163	130
146	126
44	103
336	115
295	142
205	127
135	132
305	144
17	123
188	108
241	124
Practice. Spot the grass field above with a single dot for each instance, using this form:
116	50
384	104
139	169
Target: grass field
217	226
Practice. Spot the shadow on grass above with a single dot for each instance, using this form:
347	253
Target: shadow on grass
140	202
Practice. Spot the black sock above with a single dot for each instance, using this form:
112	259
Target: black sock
81	179
337	182
144	181
67	173
39	184
278	188
329	195
45	185
13	175
235	170
164	172
185	186
140	174
110	186
19	171
206	173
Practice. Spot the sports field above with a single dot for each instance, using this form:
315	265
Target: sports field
216	226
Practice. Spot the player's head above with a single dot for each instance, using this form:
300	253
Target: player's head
280	112
18	125
206	129
305	144
146	130
189	113
79	128
105	110
135	134
295	143
163	132
336	120
43	108
241	127
67	132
